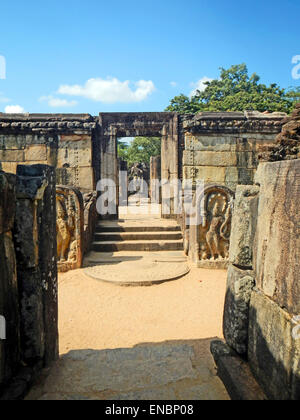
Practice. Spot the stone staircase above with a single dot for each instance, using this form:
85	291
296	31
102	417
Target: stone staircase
138	235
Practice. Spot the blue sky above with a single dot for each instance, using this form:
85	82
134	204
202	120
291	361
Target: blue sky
100	56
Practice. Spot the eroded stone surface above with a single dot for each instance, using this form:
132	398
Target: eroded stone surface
243	226
274	351
154	372
278	233
9	302
240	284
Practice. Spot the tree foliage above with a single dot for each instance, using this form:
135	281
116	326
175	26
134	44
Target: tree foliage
235	90
140	150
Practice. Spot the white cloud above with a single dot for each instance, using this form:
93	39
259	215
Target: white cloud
199	85
110	90
173	84
58	102
14	109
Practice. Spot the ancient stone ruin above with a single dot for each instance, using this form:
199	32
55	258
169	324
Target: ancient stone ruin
261	314
28	287
247	221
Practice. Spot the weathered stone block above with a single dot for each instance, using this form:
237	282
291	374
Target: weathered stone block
278	233
9	303
232	175
235	374
219	158
9	309
78	177
240	284
274	350
205	158
72	154
210	174
12	155
9	167
36	153
210	143
244	226
7	202
35	234
74	138
86	178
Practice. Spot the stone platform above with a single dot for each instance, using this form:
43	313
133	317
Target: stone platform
136	268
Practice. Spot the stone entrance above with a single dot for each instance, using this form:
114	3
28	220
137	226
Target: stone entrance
156	124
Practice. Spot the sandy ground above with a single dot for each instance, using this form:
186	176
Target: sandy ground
95	315
136	343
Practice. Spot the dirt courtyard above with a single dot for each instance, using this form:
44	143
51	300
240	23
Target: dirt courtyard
137	343
96	315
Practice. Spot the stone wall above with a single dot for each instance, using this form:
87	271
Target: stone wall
223	148
28	286
261	317
220	148
62	141
10	351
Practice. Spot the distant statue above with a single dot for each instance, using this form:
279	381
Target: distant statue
138	170
138	176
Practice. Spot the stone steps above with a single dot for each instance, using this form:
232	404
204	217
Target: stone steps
142	245
104	227
138	235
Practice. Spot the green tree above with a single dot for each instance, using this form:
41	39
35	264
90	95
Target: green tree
235	90
140	150
123	150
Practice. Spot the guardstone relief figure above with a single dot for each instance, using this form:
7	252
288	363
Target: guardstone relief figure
214	230
69	227
64	231
213	235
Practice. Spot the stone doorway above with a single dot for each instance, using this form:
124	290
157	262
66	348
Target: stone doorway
116	125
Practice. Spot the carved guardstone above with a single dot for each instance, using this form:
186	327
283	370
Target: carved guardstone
69	228
210	237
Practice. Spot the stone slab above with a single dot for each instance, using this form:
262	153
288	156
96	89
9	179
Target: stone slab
11	155
243	229
167	371
240	284
274	348
236	374
278	233
36	153
218	158
136	269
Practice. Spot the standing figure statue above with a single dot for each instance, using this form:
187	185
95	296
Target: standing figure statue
64	233
213	234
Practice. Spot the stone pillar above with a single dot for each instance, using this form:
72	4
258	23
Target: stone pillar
9	300
123	183
35	239
109	166
240	281
274	339
169	166
155	179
